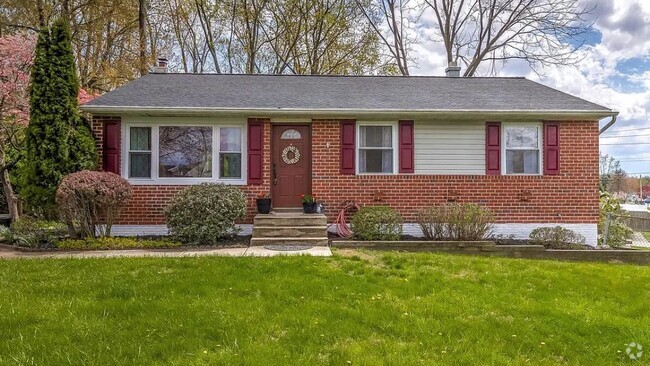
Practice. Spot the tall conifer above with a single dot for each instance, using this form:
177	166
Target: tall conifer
57	140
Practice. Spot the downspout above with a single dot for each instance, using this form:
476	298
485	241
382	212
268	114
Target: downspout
609	124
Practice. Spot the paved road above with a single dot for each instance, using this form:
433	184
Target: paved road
634	208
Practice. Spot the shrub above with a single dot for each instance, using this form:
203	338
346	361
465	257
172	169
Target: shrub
467	222
618	232
377	223
89	198
205	213
34	233
557	238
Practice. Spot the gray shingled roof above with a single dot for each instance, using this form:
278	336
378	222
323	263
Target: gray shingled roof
362	93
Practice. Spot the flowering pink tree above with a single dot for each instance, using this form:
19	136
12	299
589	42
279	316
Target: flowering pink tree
16	57
85	96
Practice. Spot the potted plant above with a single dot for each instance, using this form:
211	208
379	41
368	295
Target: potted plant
264	203
308	203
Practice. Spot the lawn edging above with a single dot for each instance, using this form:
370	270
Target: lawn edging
489	248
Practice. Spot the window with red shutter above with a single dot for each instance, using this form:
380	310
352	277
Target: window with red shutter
551	148
255	151
348	142
406	147
493	148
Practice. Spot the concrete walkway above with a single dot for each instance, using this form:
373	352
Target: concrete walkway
7	253
638	240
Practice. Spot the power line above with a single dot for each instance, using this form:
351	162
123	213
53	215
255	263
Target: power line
613	137
629	129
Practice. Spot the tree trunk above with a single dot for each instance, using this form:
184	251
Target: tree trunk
41	13
10	196
143	38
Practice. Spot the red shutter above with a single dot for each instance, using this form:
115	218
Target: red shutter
255	151
551	148
348	143
111	147
406	147
493	148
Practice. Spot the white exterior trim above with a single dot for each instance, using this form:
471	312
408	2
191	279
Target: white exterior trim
155	230
516	231
351	113
155	122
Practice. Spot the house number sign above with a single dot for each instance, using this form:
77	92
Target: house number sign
285	155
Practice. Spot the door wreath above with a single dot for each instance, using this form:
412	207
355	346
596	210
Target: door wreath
285	155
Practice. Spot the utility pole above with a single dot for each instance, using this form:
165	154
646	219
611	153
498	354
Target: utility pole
641	187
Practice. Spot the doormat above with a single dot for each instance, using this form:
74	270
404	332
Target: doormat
287	248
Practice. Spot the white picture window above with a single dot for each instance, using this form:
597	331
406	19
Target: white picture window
522	149
140	152
376	148
174	153
184	152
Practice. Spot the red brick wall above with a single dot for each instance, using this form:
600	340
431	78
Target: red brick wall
571	197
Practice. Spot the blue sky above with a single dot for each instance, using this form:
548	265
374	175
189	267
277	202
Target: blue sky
614	72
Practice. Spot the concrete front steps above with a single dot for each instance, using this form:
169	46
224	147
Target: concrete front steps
289	228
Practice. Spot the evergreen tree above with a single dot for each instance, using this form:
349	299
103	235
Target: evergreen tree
57	141
81	143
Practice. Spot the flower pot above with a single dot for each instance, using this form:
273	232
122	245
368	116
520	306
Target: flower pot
264	205
309	207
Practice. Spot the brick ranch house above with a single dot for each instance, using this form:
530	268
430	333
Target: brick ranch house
526	151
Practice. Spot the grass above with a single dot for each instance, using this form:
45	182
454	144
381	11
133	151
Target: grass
359	308
115	243
646	234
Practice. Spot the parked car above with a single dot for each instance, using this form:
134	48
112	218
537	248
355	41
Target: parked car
647	201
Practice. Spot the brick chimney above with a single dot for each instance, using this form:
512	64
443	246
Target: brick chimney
161	65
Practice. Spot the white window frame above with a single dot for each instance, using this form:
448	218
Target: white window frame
395	146
540	146
129	151
219	152
156	123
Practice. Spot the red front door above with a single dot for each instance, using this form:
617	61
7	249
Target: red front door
291	164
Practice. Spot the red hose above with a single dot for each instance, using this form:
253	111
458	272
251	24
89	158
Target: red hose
342	228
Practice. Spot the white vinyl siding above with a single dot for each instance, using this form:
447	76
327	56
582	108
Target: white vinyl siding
450	147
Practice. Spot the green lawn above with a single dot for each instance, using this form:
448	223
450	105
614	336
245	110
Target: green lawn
359	308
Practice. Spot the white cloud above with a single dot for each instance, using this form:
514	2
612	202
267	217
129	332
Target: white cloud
625	30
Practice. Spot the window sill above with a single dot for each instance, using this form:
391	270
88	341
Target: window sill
183	181
371	174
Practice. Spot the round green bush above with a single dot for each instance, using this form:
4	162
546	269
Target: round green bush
377	223
206	213
557	238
